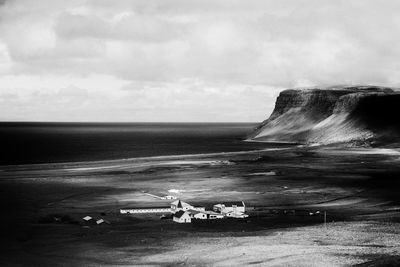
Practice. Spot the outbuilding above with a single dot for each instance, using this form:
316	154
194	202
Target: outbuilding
196	214
236	207
87	218
137	210
214	215
178	205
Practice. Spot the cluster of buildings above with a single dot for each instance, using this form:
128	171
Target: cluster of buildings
184	212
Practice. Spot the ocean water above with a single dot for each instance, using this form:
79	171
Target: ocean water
26	143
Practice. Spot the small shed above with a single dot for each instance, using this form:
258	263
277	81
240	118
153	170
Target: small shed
182	217
196	214
214	215
87	218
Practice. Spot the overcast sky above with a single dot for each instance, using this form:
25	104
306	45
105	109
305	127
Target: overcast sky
184	60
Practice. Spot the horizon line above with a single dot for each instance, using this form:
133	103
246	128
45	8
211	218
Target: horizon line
130	122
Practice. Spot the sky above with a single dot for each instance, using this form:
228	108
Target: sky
185	60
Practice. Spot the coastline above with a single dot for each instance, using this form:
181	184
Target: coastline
126	160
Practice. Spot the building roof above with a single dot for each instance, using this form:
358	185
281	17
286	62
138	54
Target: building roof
179	204
142	208
179	214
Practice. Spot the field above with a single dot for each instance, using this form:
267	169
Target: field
286	192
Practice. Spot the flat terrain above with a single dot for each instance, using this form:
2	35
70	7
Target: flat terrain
286	192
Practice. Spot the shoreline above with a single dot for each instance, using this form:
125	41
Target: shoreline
326	148
161	158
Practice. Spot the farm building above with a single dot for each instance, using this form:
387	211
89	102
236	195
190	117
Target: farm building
145	210
182	217
87	218
236	207
180	205
214	215
195	214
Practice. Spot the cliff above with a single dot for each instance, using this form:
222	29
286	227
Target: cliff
332	115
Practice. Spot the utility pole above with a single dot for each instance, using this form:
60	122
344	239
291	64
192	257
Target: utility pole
325	219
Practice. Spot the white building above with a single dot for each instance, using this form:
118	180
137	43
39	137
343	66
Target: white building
182	217
214	215
87	218
180	205
235	207
144	210
196	214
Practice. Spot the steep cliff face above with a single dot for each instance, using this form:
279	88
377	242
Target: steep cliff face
330	115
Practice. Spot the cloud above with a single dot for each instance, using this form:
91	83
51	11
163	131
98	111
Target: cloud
150	48
123	26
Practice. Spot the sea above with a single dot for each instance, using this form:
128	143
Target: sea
44	142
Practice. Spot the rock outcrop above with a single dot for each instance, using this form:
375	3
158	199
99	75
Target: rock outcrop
332	115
